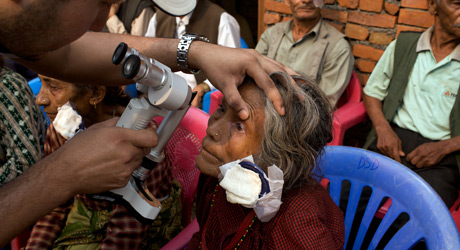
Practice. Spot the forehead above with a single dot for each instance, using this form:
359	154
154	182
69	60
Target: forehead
252	94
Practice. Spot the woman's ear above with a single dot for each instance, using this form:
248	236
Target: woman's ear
97	94
432	7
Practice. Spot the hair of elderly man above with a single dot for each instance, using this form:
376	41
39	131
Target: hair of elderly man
294	141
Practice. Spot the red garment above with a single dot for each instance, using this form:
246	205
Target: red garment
123	230
307	219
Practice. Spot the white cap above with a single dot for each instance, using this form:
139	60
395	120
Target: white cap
176	7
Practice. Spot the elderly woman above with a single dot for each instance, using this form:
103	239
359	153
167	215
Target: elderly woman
307	217
83	223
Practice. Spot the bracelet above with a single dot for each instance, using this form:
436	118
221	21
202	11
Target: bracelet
206	87
183	48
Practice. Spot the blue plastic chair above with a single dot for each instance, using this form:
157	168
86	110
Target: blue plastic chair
35	84
244	45
429	219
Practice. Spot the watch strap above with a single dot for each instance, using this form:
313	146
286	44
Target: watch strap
183	48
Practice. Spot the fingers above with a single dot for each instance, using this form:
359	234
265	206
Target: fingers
145	138
235	101
264	82
395	155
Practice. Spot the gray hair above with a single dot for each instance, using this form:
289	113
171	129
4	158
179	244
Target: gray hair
294	141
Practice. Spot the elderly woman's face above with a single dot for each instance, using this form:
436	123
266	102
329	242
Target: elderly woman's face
228	137
54	93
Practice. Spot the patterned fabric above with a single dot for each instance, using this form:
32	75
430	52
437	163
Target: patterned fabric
60	228
22	126
307	219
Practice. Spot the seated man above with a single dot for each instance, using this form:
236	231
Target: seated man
207	19
412	101
130	17
307	216
308	45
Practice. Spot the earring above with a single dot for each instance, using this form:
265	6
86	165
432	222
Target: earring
94	103
216	134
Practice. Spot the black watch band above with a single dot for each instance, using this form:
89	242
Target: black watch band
183	48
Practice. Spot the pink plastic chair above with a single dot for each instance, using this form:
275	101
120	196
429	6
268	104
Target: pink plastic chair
216	100
350	109
183	147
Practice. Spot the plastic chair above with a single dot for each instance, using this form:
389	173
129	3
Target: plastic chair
350	111
455	211
183	147
211	101
35	84
429	219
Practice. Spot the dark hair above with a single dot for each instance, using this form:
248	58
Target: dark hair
113	94
294	141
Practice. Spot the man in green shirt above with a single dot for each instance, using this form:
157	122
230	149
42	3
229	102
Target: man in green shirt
309	45
413	104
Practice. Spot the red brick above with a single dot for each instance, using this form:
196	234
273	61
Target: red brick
367	52
418	4
365	65
375	20
270	18
391	8
400	28
363	77
380	38
337	26
329	1
351	4
416	18
336	15
356	31
281	7
371	5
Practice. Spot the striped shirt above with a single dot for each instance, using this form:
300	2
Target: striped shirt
22	126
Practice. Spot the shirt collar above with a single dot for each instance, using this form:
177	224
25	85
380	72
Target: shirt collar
184	20
315	31
424	43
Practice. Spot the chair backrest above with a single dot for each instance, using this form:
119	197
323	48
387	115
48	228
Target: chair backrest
183	147
428	219
35	84
352	92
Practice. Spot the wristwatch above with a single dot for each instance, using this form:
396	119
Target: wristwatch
182	51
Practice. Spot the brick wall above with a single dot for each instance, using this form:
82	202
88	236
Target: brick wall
370	24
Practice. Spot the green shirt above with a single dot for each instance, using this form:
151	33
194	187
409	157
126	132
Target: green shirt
22	126
431	90
337	67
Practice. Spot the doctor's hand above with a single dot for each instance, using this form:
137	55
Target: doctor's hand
227	67
103	156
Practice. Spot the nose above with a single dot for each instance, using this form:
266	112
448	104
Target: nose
42	99
213	129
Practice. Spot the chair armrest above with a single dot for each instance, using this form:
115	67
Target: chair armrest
350	114
182	239
346	117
